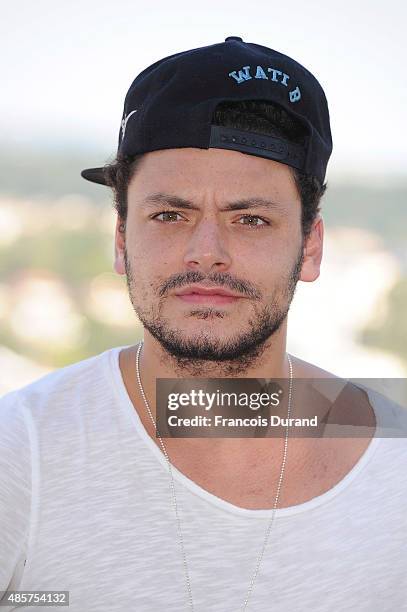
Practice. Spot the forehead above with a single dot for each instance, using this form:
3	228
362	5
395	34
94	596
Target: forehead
201	173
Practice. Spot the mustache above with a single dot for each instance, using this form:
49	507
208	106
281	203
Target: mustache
221	279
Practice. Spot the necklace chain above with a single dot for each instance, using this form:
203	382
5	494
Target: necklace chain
174	497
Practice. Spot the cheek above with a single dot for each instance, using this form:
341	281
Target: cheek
150	265
151	249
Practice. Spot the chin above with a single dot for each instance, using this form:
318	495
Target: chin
208	324
205	332
207	329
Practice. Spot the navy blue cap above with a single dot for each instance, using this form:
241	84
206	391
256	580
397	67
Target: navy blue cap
170	105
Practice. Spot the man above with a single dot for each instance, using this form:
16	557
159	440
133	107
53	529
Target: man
219	173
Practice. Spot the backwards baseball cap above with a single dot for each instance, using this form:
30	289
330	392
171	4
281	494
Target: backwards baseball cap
171	103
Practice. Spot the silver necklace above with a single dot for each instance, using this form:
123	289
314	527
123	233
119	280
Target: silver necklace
174	497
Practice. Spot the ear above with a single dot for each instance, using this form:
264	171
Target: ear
313	251
119	246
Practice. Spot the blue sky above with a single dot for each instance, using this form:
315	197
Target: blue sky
66	67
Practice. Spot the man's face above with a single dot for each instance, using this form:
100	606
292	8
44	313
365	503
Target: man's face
213	219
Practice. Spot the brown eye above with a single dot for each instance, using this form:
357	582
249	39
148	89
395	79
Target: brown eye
253	221
167	213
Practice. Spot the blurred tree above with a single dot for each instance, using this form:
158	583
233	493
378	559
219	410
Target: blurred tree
391	334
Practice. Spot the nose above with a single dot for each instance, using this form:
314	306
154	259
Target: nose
207	249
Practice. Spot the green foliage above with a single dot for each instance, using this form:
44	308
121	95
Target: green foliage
73	255
75	258
391	335
381	210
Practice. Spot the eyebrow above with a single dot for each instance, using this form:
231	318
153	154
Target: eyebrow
158	199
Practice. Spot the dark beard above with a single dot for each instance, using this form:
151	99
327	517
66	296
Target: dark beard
202	353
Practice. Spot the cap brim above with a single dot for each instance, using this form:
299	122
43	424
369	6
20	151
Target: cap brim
95	175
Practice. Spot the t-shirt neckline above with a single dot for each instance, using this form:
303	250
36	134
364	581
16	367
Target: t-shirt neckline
114	375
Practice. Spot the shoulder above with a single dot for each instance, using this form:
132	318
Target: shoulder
60	400
341	400
62	384
304	369
358	403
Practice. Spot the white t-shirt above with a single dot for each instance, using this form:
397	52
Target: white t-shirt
85	498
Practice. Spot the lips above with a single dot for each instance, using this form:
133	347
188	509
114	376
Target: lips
214	295
194	289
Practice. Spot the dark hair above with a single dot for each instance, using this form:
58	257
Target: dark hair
258	116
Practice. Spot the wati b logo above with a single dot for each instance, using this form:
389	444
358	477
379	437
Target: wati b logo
276	76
